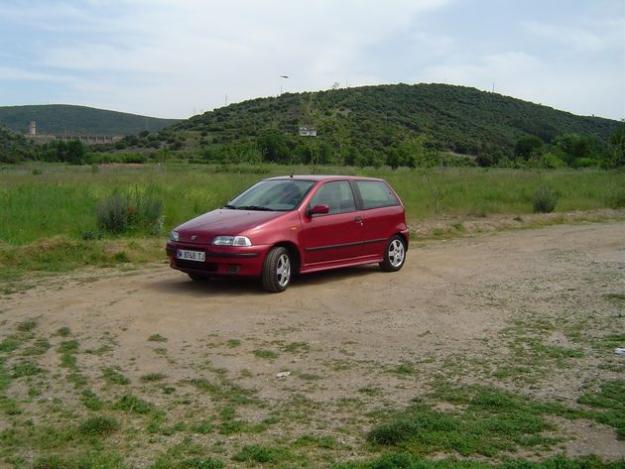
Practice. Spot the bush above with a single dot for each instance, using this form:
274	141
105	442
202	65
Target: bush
133	211
545	200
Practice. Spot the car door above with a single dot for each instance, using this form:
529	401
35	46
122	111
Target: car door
337	235
381	213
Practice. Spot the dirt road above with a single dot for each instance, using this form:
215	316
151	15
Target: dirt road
457	311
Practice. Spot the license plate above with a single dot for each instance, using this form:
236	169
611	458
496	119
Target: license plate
197	256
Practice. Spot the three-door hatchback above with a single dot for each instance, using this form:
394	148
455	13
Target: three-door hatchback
295	225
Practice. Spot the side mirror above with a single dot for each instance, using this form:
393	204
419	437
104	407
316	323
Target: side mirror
318	210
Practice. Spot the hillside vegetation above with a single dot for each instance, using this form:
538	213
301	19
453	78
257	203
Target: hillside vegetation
59	119
409	125
394	125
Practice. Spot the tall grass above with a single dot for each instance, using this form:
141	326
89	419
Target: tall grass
63	200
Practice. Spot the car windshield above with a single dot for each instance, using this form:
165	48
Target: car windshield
273	195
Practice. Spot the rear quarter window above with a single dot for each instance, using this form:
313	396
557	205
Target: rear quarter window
376	194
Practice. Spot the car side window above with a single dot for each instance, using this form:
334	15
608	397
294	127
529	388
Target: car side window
337	195
376	194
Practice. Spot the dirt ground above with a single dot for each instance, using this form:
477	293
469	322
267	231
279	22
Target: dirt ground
460	310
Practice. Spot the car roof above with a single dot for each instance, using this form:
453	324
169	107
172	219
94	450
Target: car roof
324	177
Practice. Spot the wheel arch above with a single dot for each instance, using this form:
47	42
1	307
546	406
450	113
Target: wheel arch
296	256
404	236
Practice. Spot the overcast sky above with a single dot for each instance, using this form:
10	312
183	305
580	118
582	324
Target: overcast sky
175	58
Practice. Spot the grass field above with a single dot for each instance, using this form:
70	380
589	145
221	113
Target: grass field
47	209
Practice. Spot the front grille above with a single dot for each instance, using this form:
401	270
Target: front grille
205	266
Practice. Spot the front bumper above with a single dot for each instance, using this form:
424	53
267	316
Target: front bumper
220	260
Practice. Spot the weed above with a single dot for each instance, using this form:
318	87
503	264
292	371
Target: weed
150	377
133	404
267	354
131	211
10	344
404	368
27	326
296	347
63	331
370	390
261	454
203	427
99	426
113	376
157	338
90	400
545	200
327	442
40	347
233	343
25	368
68	346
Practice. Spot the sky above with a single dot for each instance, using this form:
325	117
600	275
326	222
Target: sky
177	58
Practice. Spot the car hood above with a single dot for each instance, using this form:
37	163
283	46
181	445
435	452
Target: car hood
204	228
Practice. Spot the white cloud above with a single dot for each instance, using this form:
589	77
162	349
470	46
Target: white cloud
588	38
169	58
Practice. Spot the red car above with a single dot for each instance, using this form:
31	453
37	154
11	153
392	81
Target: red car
295	225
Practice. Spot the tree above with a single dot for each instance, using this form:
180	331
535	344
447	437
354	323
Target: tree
577	150
273	147
527	147
616	151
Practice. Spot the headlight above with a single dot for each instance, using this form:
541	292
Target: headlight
174	236
232	241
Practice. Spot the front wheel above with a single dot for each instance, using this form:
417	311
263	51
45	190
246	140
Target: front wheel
394	254
277	270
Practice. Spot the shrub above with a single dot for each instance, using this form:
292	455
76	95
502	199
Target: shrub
545	200
132	211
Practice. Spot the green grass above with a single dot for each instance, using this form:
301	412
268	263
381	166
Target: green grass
48	221
63	200
491	421
609	405
405	460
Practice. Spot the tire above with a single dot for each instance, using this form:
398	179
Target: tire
394	254
198	278
277	270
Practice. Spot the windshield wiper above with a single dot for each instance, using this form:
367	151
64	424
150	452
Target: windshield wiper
255	207
230	206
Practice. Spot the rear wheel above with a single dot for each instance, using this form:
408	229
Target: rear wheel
394	254
277	270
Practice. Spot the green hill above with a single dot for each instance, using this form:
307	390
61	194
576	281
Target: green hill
60	119
379	118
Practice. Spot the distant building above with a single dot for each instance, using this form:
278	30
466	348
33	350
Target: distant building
307	132
32	128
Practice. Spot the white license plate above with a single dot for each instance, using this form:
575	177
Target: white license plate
197	256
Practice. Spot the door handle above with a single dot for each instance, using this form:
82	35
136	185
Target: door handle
358	220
